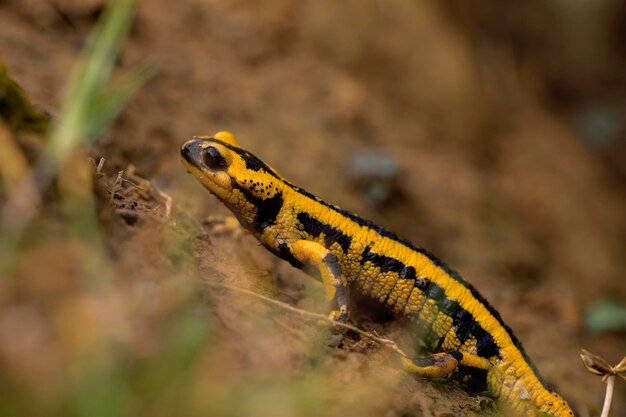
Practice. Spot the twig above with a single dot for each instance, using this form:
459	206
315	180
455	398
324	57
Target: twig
386	342
133	184
151	190
128	183
117	181
100	166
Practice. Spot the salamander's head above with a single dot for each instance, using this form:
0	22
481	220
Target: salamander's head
242	181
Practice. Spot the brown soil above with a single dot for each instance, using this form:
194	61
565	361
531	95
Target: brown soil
481	109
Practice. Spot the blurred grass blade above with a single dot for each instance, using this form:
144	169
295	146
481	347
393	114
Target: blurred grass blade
13	163
91	103
111	102
16	110
80	116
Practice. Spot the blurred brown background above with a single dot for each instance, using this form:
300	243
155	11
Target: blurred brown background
505	121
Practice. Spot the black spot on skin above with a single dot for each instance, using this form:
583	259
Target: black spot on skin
421	283
408	272
252	162
267	208
284	253
466	326
384	263
268	212
463	324
315	228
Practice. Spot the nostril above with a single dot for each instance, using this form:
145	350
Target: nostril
186	149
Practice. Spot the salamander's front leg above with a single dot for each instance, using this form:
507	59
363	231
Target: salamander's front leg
314	254
224	225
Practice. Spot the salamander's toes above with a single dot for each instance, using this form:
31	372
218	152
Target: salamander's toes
223	225
339	315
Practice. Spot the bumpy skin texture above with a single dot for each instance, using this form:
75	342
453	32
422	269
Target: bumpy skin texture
465	336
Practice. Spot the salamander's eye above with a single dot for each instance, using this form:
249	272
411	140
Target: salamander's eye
213	158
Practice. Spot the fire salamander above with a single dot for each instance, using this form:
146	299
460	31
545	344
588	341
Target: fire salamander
464	335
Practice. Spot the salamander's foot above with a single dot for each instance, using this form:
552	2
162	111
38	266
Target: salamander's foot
438	365
340	315
224	225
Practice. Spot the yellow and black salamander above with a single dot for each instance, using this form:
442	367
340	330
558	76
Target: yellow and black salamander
463	333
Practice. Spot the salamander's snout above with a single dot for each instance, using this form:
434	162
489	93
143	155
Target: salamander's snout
206	154
191	151
208	160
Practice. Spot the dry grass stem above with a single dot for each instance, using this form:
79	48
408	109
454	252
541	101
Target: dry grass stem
150	190
608	398
385	342
598	366
128	185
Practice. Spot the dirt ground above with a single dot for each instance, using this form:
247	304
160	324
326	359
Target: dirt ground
506	122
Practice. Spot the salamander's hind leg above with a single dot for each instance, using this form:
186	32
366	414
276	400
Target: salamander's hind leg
442	365
438	365
316	255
